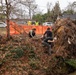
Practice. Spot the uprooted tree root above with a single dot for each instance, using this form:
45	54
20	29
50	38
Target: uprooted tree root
65	31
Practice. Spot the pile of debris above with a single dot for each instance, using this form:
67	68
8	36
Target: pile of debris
65	32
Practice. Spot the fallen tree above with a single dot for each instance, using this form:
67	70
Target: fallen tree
65	32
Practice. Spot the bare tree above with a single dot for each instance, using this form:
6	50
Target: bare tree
7	15
2	10
49	6
48	11
56	11
71	8
30	5
21	8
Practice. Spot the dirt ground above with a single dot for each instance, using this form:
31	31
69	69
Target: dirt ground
2	31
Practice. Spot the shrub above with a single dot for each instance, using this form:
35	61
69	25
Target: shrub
71	62
18	53
34	65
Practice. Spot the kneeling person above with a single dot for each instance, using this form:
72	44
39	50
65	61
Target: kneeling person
32	33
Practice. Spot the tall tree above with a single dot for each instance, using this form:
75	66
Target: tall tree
2	11
38	17
31	6
21	8
56	11
70	9
48	12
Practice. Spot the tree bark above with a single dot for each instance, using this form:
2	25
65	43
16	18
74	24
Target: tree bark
7	15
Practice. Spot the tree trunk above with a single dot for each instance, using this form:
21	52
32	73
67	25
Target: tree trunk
7	15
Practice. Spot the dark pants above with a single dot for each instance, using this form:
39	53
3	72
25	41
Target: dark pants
49	47
48	44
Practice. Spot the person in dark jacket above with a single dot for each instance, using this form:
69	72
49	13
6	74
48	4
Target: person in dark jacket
32	33
48	40
48	33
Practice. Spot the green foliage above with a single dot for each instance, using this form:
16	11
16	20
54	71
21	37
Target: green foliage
43	18
38	18
56	66
8	55
50	15
71	62
2	61
32	54
29	47
34	65
18	52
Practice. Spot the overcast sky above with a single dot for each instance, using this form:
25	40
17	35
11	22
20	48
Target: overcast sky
42	4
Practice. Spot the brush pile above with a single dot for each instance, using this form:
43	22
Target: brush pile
65	32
